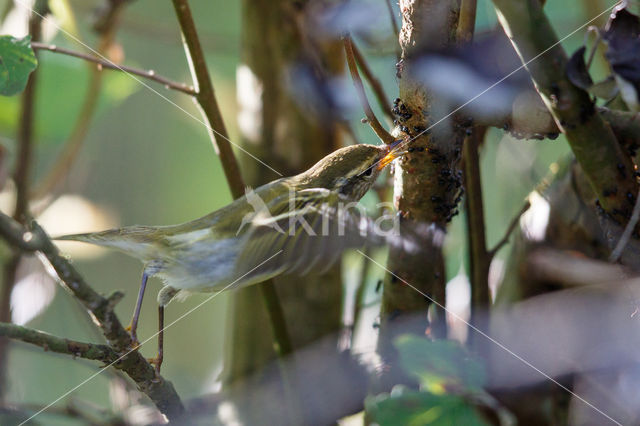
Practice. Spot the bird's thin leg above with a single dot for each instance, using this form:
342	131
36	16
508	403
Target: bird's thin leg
157	361
133	326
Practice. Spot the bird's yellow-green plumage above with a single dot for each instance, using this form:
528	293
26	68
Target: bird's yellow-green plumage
252	239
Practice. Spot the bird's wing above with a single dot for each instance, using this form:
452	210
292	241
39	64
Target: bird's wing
309	230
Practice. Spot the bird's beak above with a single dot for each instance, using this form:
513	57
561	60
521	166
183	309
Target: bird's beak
394	150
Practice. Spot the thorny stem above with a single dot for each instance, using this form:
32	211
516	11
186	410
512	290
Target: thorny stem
362	96
207	101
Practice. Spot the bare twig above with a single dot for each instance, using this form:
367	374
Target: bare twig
129	360
362	96
206	97
512	225
207	100
479	258
394	27
628	231
59	345
376	86
148	74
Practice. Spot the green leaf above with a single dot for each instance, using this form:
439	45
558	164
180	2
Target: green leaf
440	365
17	61
412	408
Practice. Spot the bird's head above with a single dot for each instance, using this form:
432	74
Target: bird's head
351	170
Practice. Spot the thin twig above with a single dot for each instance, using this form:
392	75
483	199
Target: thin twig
59	345
394	27
512	225
376	86
362	96
148	74
22	180
159	390
479	258
628	231
206	97
207	100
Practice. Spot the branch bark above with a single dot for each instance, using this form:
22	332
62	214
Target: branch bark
106	64
207	100
129	360
206	97
428	182
59	345
22	180
592	141
382	134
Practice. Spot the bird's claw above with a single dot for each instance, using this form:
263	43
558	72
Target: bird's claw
156	362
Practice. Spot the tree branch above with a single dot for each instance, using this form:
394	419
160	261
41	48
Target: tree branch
591	139
148	74
376	86
479	258
466	21
207	100
22	180
59	345
206	97
512	225
382	134
129	360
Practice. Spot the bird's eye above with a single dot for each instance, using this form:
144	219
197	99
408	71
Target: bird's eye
368	172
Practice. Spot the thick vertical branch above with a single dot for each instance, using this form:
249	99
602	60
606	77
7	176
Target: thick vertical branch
427	180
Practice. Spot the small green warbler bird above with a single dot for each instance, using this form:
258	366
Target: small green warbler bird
258	236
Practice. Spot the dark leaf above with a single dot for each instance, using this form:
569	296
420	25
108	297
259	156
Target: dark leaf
17	61
622	35
577	70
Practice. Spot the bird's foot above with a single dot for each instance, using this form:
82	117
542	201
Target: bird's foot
156	362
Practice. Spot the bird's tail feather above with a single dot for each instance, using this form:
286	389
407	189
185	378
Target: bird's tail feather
137	241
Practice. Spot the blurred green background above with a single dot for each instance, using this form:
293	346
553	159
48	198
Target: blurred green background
149	162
